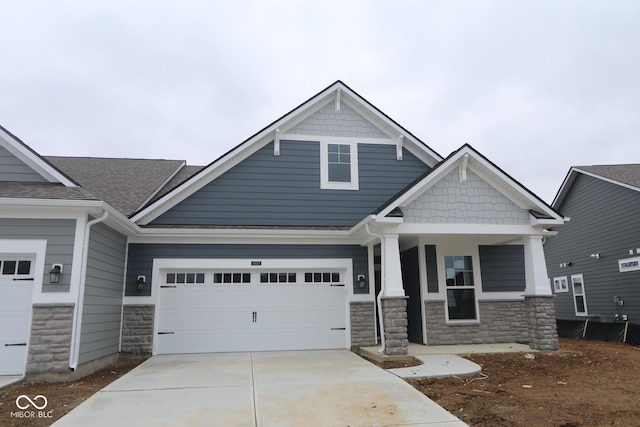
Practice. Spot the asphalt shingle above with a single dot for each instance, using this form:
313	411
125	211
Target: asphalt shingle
122	183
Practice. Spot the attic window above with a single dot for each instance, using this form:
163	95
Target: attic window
339	166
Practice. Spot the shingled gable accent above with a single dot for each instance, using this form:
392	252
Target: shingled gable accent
486	170
268	134
627	176
33	160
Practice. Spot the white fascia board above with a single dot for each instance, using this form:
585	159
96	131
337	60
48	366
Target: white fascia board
564	188
161	186
34	161
471	229
247	236
609	180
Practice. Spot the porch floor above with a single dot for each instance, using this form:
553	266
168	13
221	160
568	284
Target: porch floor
420	349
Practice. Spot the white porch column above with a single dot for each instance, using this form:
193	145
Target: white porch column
392	268
536	276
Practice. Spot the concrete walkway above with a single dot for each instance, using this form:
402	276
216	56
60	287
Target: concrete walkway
330	388
438	366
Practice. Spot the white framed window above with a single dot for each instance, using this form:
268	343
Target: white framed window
339	166
560	284
460	286
579	297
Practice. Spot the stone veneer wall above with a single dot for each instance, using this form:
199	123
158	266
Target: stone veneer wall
543	334
137	329
394	312
50	342
363	324
500	321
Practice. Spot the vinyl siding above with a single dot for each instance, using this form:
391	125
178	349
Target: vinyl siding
14	169
100	333
605	219
60	236
502	268
141	256
284	190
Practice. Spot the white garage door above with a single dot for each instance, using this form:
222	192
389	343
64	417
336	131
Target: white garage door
16	289
227	310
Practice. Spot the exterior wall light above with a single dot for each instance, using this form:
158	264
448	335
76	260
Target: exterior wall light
140	282
54	273
362	281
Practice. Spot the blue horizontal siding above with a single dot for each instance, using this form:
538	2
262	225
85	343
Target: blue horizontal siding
502	268
141	256
284	190
605	219
14	169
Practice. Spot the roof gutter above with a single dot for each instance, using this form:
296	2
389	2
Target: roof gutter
77	318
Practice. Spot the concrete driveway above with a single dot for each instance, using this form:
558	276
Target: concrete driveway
330	388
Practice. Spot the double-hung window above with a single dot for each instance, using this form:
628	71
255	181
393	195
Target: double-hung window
460	285
339	166
579	298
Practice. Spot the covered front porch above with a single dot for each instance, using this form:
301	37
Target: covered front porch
451	289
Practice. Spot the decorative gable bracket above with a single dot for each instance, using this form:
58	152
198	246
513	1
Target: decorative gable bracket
276	143
399	146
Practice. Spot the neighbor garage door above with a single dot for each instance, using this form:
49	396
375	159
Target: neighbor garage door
16	289
220	310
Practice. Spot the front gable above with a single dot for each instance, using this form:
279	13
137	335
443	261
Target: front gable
466	188
289	173
472	202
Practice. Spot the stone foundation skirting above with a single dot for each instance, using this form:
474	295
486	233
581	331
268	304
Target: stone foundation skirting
50	341
500	321
137	328
363	324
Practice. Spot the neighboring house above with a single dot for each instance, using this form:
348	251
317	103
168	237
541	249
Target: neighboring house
327	223
594	261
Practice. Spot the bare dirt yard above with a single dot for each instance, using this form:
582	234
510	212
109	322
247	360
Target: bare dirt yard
586	383
61	397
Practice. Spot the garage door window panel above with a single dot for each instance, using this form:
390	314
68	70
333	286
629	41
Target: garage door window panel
185	278
231	278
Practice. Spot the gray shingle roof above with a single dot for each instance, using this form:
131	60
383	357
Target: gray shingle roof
43	190
625	174
122	183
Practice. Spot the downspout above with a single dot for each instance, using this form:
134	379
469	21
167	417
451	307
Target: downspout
383	286
75	343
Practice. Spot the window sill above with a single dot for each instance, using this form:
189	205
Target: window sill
463	323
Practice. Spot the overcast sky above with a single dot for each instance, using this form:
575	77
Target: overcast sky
536	86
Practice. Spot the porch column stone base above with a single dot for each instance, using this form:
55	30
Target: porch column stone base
394	315
543	334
